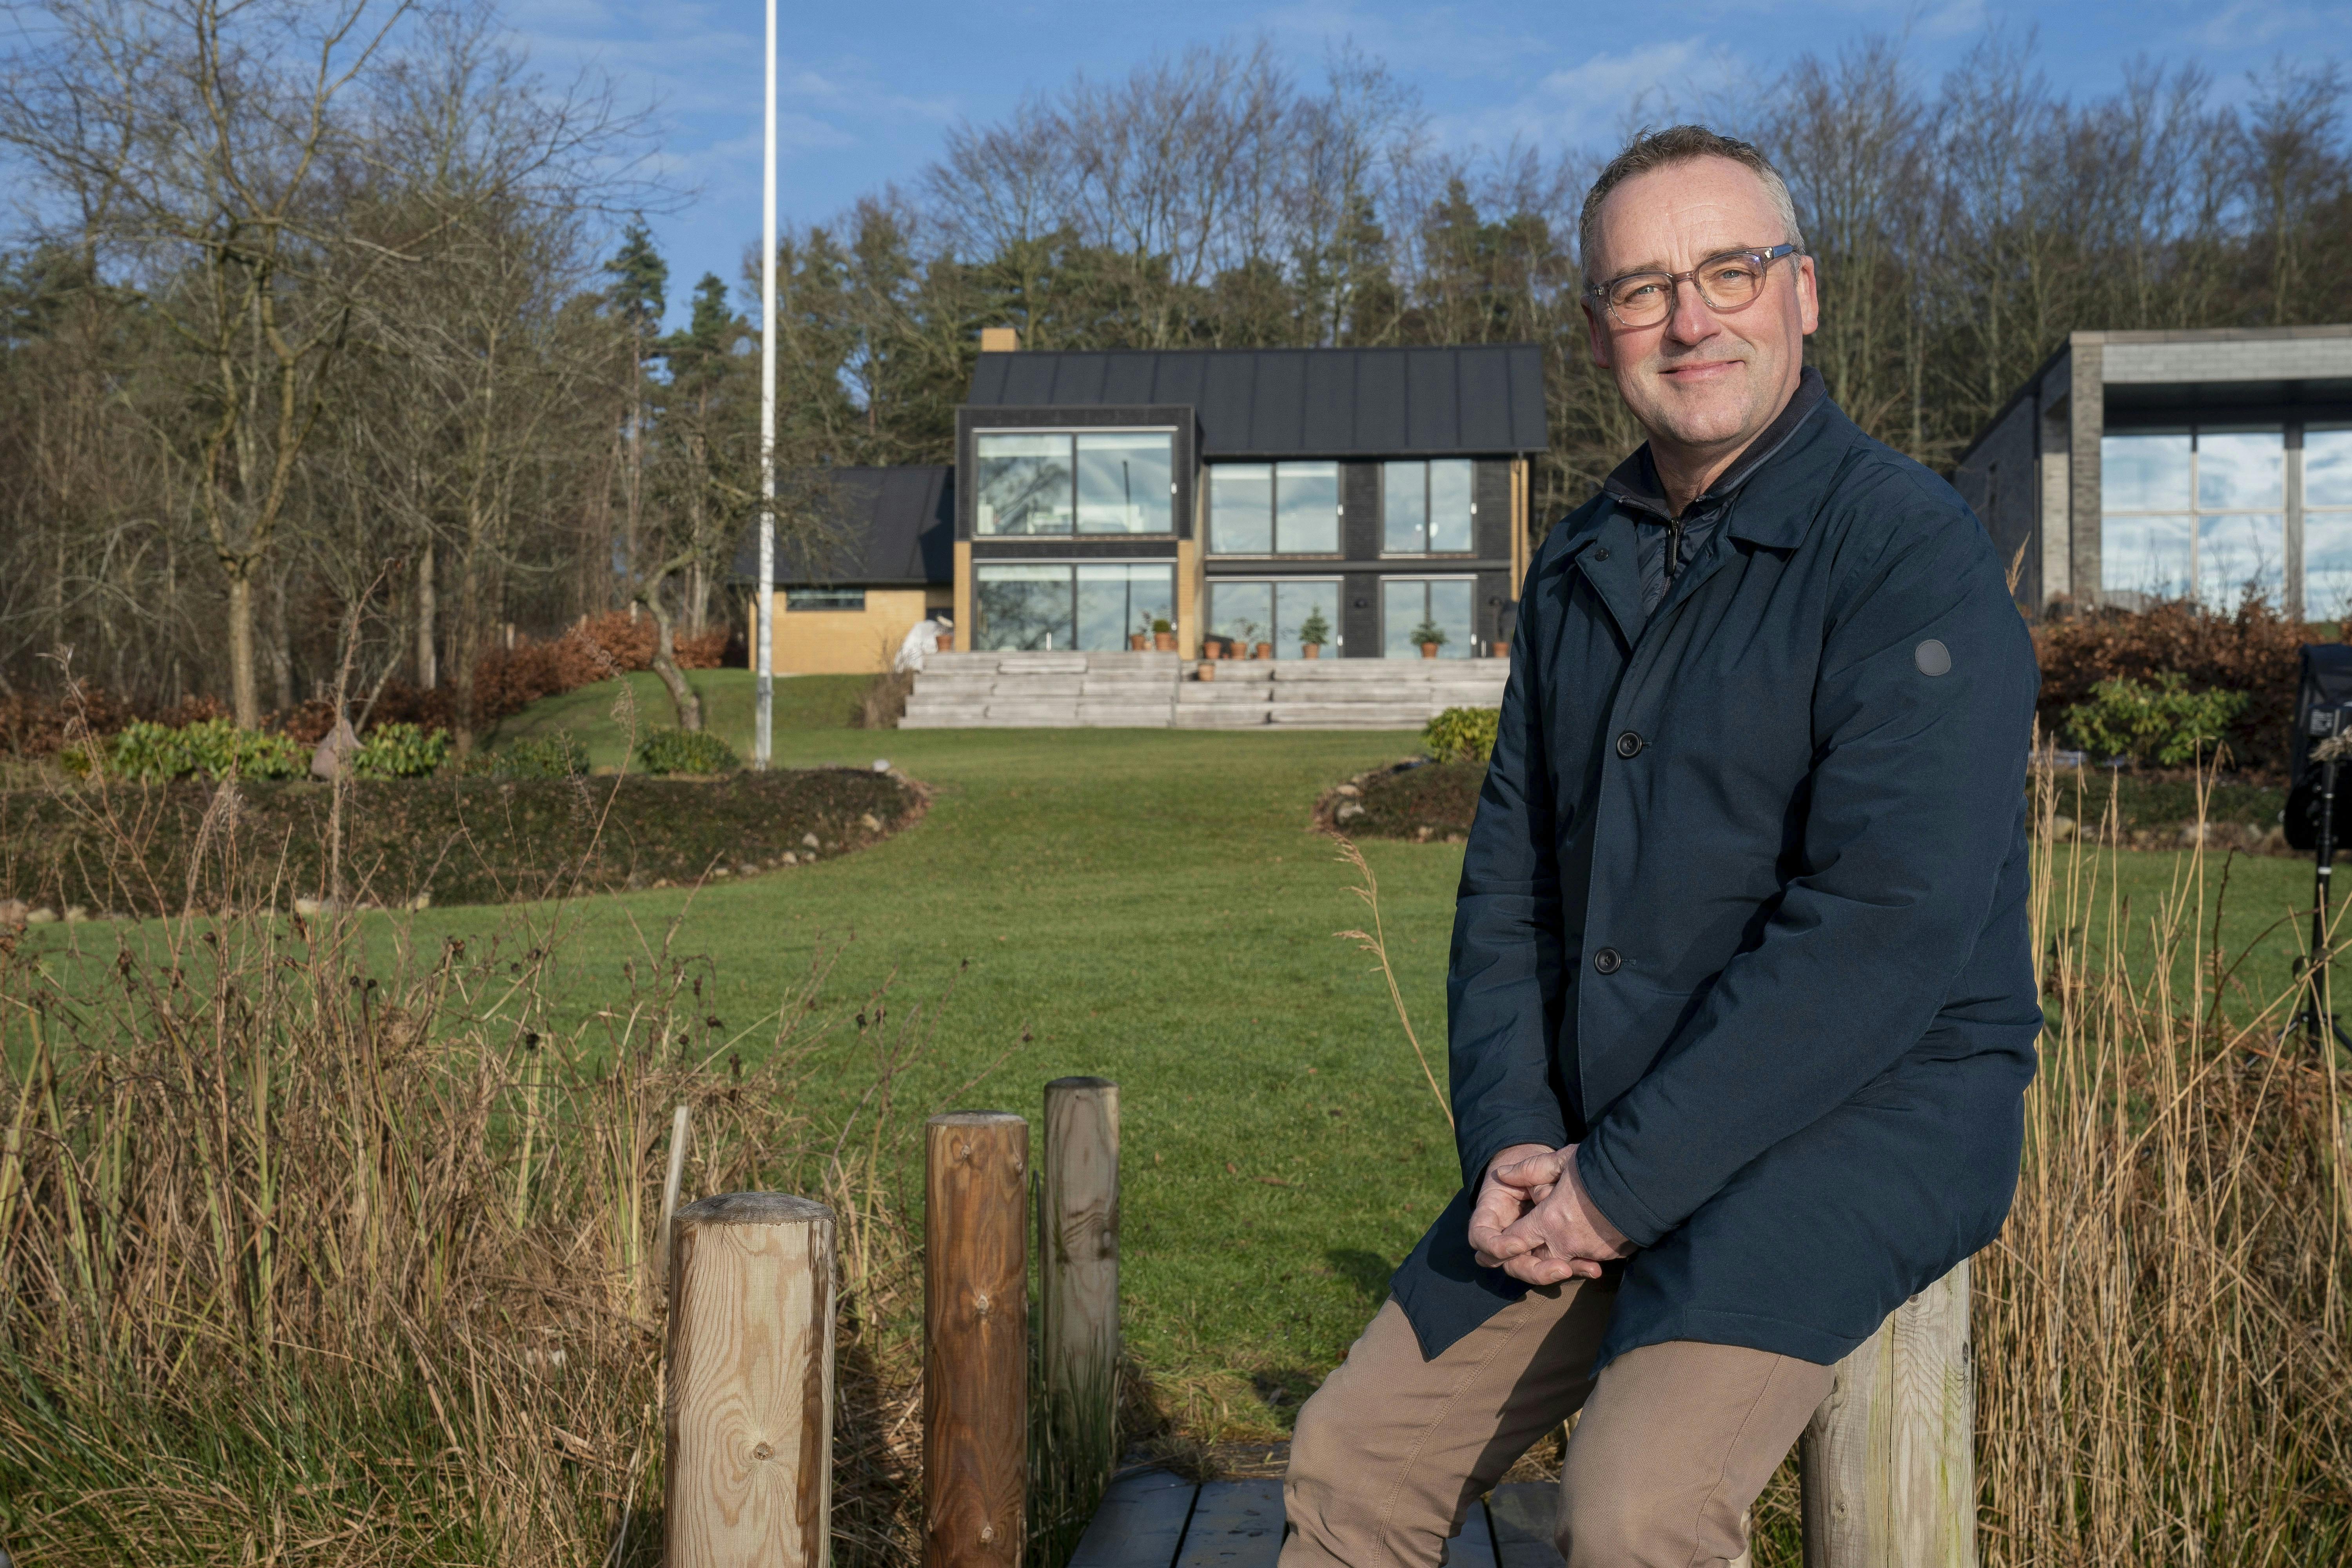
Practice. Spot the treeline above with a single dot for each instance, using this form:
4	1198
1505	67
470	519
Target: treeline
340	347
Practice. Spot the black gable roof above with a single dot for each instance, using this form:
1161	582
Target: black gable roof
1283	403
896	527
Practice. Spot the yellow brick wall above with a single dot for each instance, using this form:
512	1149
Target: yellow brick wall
848	642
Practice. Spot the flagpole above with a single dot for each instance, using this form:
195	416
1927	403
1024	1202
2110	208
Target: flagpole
763	737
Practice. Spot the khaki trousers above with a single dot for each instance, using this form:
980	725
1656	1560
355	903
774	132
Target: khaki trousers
1675	1443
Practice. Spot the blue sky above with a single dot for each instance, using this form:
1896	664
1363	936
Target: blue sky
867	89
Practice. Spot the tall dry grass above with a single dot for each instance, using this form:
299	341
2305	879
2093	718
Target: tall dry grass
316	1252
2163	1371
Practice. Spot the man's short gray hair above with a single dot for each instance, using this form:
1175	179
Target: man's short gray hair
1677	145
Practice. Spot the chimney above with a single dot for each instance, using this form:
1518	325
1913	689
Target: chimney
1000	340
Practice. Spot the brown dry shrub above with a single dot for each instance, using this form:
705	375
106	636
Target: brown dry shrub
882	701
507	680
2253	651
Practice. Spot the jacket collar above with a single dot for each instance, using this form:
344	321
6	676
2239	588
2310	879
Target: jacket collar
1634	486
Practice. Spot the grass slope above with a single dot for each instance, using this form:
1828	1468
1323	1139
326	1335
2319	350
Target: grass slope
1148	906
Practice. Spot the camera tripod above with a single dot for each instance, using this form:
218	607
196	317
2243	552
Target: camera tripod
2314	1017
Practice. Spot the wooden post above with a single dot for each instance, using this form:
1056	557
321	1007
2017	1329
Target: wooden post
748	1411
1889	1462
1077	1231
975	1340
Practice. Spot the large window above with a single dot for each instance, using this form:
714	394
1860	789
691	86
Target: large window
1091	606
1409	602
2201	513
1060	482
1276	613
1274	508
2328	524
1425	508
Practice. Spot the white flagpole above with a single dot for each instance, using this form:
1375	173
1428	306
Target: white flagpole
763	737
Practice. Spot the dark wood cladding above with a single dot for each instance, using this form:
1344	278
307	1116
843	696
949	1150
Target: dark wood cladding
975	1340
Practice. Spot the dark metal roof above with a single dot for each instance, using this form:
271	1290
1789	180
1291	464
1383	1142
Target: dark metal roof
895	527
1283	403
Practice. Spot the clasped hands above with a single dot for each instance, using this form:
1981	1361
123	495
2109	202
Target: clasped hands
1534	1221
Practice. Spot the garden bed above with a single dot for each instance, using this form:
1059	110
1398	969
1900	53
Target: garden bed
126	849
1425	801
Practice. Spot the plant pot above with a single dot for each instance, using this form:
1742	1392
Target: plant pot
1163	642
1310	650
1137	642
1502	648
1264	650
1429	651
1208	669
947	642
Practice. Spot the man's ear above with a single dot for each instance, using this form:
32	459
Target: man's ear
1596	335
1809	296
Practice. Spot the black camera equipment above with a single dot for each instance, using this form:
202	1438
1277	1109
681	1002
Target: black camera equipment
2321	744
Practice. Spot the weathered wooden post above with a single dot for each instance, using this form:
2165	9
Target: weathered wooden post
1077	1231
1889	1462
748	1411
975	1340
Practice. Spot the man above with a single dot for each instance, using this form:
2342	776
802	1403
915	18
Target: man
1742	1002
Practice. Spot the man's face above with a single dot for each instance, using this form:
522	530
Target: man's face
1699	382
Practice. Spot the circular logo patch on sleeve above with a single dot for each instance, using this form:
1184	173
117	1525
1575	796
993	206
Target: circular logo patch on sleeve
1932	658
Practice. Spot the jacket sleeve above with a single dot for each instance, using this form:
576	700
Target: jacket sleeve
1914	799
1503	976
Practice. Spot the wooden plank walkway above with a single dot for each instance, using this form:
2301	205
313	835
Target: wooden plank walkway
1150	1518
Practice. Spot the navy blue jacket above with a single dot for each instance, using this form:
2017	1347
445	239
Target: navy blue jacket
1744	908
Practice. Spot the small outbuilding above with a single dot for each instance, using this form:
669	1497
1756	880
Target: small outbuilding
886	563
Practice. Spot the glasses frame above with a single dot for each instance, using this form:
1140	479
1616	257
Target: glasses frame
1763	256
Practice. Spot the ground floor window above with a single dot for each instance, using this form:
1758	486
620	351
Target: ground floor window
1280	613
824	599
2198	512
2326	524
1090	606
1411	604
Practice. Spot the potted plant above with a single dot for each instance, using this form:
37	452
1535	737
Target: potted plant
1244	635
1138	642
947	642
1314	634
1163	636
1430	635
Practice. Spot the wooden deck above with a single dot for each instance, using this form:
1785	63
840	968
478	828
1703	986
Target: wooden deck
1150	1518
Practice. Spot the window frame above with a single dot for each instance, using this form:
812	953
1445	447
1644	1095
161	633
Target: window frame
831	609
1070	435
1428	508
1275	585
1071	570
1424	579
2196	513
1275	465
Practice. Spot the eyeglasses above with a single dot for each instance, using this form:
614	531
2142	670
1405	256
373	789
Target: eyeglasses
1727	282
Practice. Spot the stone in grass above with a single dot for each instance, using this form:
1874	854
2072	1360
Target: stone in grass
810	841
77	914
14	912
871	823
42	916
791	858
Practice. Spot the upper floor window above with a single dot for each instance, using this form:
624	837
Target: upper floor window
1425	507
1071	481
824	599
1274	508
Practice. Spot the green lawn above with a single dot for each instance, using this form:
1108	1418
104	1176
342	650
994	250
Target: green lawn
1148	906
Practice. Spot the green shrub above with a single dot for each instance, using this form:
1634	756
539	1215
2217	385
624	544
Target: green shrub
214	748
686	751
399	752
1462	734
2159	721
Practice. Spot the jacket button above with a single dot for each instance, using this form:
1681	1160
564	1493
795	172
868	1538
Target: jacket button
1601	552
1629	744
1606	961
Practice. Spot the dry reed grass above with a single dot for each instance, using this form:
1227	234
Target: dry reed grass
306	1257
